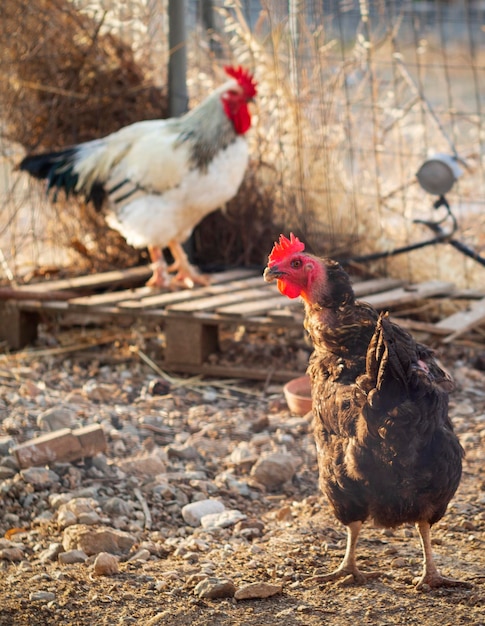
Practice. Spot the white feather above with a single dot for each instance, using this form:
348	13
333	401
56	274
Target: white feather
143	152
155	219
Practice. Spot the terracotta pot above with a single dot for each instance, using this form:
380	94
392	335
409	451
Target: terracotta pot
298	395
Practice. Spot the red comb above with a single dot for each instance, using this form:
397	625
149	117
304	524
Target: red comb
244	79
285	247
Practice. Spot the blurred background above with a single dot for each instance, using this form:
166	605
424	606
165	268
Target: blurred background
353	98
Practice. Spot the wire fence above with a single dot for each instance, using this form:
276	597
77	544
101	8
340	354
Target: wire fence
353	97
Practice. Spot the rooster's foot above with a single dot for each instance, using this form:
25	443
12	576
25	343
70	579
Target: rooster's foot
346	575
186	279
436	580
159	279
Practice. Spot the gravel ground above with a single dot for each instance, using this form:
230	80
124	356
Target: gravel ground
204	507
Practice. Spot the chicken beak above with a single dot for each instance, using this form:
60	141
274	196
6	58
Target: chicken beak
271	273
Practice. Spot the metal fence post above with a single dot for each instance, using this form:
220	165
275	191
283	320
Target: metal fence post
177	64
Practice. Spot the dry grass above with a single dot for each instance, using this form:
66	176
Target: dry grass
66	81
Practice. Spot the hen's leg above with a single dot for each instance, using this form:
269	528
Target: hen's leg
160	276
187	274
348	568
431	575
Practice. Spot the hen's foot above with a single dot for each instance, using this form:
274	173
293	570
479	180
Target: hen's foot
348	576
436	580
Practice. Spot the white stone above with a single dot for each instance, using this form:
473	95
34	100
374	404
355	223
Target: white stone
195	511
222	520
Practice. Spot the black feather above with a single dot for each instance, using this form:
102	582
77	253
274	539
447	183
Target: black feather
57	168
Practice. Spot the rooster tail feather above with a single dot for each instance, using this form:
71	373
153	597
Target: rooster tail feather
57	168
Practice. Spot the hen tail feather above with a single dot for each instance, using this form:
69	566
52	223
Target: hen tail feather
388	368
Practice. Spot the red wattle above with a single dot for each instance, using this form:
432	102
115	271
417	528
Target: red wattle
287	289
237	111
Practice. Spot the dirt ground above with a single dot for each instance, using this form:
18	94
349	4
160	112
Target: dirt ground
290	535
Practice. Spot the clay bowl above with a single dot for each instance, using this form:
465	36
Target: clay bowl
298	395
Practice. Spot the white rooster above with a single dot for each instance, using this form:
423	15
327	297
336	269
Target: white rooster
161	177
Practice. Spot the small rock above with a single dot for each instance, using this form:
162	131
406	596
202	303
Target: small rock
66	518
90	518
212	588
72	556
181	451
6	472
6	442
11	554
118	506
249	528
227	479
257	590
274	469
56	418
40	477
56	499
51	553
195	511
141	555
42	596
222	520
97	392
44	518
144	465
94	541
243	456
78	510
105	565
283	513
10	462
29	389
12	520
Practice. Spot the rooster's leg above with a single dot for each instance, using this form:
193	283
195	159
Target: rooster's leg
348	568
186	274
431	575
160	276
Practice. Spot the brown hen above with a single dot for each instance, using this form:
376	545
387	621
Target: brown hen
385	443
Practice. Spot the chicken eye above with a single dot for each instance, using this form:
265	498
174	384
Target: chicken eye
296	263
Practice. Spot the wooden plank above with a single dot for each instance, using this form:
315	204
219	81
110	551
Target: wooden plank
93	281
230	297
375	285
217	294
418	326
11	293
412	293
460	322
254	308
18	327
296	314
259	308
189	341
231	371
111	297
166	298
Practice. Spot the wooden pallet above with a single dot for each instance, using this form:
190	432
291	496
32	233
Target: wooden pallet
191	318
